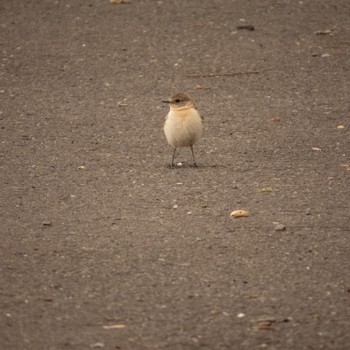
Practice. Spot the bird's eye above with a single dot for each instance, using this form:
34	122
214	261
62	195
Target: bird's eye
177	100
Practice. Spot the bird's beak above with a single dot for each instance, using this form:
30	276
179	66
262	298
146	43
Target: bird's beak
166	101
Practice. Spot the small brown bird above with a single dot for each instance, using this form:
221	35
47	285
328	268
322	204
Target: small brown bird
183	125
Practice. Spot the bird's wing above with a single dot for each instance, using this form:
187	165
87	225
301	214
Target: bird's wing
199	113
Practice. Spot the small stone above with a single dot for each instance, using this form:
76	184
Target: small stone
47	223
308	211
279	227
246	27
267	189
117	2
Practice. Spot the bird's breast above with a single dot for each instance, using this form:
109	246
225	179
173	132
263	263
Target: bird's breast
183	128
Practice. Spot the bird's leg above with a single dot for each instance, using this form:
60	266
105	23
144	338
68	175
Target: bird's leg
172	161
194	159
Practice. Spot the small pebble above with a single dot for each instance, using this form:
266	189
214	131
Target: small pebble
279	227
47	223
245	26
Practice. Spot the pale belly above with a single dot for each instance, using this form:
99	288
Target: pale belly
183	130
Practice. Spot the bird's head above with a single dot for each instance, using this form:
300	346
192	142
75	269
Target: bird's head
180	100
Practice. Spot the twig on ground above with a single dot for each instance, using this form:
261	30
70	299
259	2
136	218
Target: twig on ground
212	75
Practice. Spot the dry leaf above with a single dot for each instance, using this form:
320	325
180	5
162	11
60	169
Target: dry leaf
239	213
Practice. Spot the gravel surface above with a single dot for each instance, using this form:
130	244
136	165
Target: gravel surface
103	246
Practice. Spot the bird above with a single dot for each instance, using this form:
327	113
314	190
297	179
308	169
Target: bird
183	125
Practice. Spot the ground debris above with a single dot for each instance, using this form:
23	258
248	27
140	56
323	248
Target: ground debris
122	104
246	27
47	223
239	213
279	226
217	75
114	326
265	325
265	189
346	166
117	2
276	119
325	32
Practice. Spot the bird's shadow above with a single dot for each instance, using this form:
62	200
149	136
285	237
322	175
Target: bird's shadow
185	165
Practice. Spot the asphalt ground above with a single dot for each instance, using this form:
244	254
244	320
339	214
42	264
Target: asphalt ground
104	246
